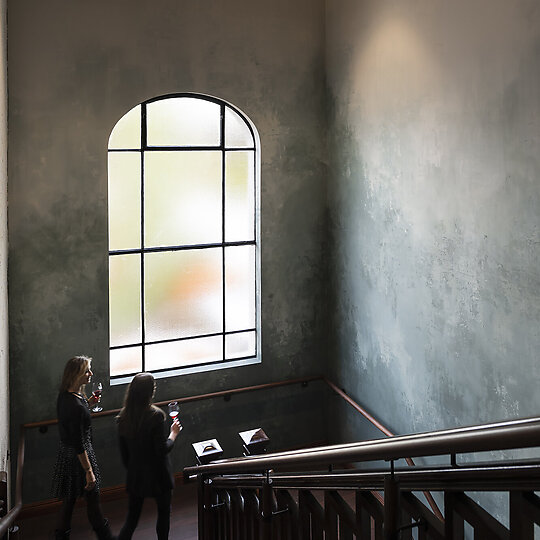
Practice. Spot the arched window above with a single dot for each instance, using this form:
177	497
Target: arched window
183	238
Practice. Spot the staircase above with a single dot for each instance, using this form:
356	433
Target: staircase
314	493
257	497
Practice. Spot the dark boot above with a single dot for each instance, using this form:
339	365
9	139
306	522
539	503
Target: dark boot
104	532
61	535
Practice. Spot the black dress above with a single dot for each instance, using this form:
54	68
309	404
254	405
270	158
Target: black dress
75	430
146	456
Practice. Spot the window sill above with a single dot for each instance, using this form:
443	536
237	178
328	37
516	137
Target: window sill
176	372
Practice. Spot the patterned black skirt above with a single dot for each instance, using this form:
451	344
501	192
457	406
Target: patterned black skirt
69	477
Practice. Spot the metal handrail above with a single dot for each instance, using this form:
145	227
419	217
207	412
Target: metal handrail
472	478
523	433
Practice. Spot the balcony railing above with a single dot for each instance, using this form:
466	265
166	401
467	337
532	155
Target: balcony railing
250	498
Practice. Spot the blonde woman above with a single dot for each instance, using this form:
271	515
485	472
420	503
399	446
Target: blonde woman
76	472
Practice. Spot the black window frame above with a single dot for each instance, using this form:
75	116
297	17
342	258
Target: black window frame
223	149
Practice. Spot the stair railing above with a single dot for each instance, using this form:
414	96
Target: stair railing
251	498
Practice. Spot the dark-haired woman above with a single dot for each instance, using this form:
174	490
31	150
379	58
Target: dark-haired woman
76	472
145	445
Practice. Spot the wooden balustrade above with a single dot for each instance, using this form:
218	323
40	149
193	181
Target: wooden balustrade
373	504
274	506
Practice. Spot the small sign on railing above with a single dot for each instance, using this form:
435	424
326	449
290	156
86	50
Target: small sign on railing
207	451
255	441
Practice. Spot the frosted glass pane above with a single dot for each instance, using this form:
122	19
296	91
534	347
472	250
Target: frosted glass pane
124	200
183	122
239	345
184	353
239	196
124	299
239	288
182	198
237	132
128	360
183	293
127	132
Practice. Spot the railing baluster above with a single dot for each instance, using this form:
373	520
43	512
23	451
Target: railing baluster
201	510
345	531
310	506
290	517
226	517
391	507
330	518
404	524
374	508
432	527
238	514
453	522
363	519
346	517
317	528
481	520
304	514
521	524
251	506
266	513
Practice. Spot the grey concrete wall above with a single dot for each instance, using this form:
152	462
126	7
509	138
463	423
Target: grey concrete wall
434	194
75	68
4	353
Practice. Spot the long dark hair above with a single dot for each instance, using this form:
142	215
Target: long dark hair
137	403
75	367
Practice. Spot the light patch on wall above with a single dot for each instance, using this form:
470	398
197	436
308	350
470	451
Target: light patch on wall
393	62
394	77
509	404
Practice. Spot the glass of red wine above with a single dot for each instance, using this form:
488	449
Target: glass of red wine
97	388
173	410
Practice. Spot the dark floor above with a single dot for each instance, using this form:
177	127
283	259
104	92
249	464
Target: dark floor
183	519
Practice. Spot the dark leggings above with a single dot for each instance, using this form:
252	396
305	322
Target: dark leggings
93	509
163	503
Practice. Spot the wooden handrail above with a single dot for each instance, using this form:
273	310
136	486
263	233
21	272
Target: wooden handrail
358	408
199	397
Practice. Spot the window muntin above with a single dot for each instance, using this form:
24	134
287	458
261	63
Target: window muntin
183	237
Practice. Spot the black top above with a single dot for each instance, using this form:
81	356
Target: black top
146	456
74	424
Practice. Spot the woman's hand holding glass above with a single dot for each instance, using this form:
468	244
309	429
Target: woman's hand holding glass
176	427
97	388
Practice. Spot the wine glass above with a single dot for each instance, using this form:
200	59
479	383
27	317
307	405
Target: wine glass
97	388
173	410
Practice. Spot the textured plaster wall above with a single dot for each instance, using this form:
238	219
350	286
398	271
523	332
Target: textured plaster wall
75	68
434	194
4	353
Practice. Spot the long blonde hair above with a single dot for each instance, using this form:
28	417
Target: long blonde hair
75	368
